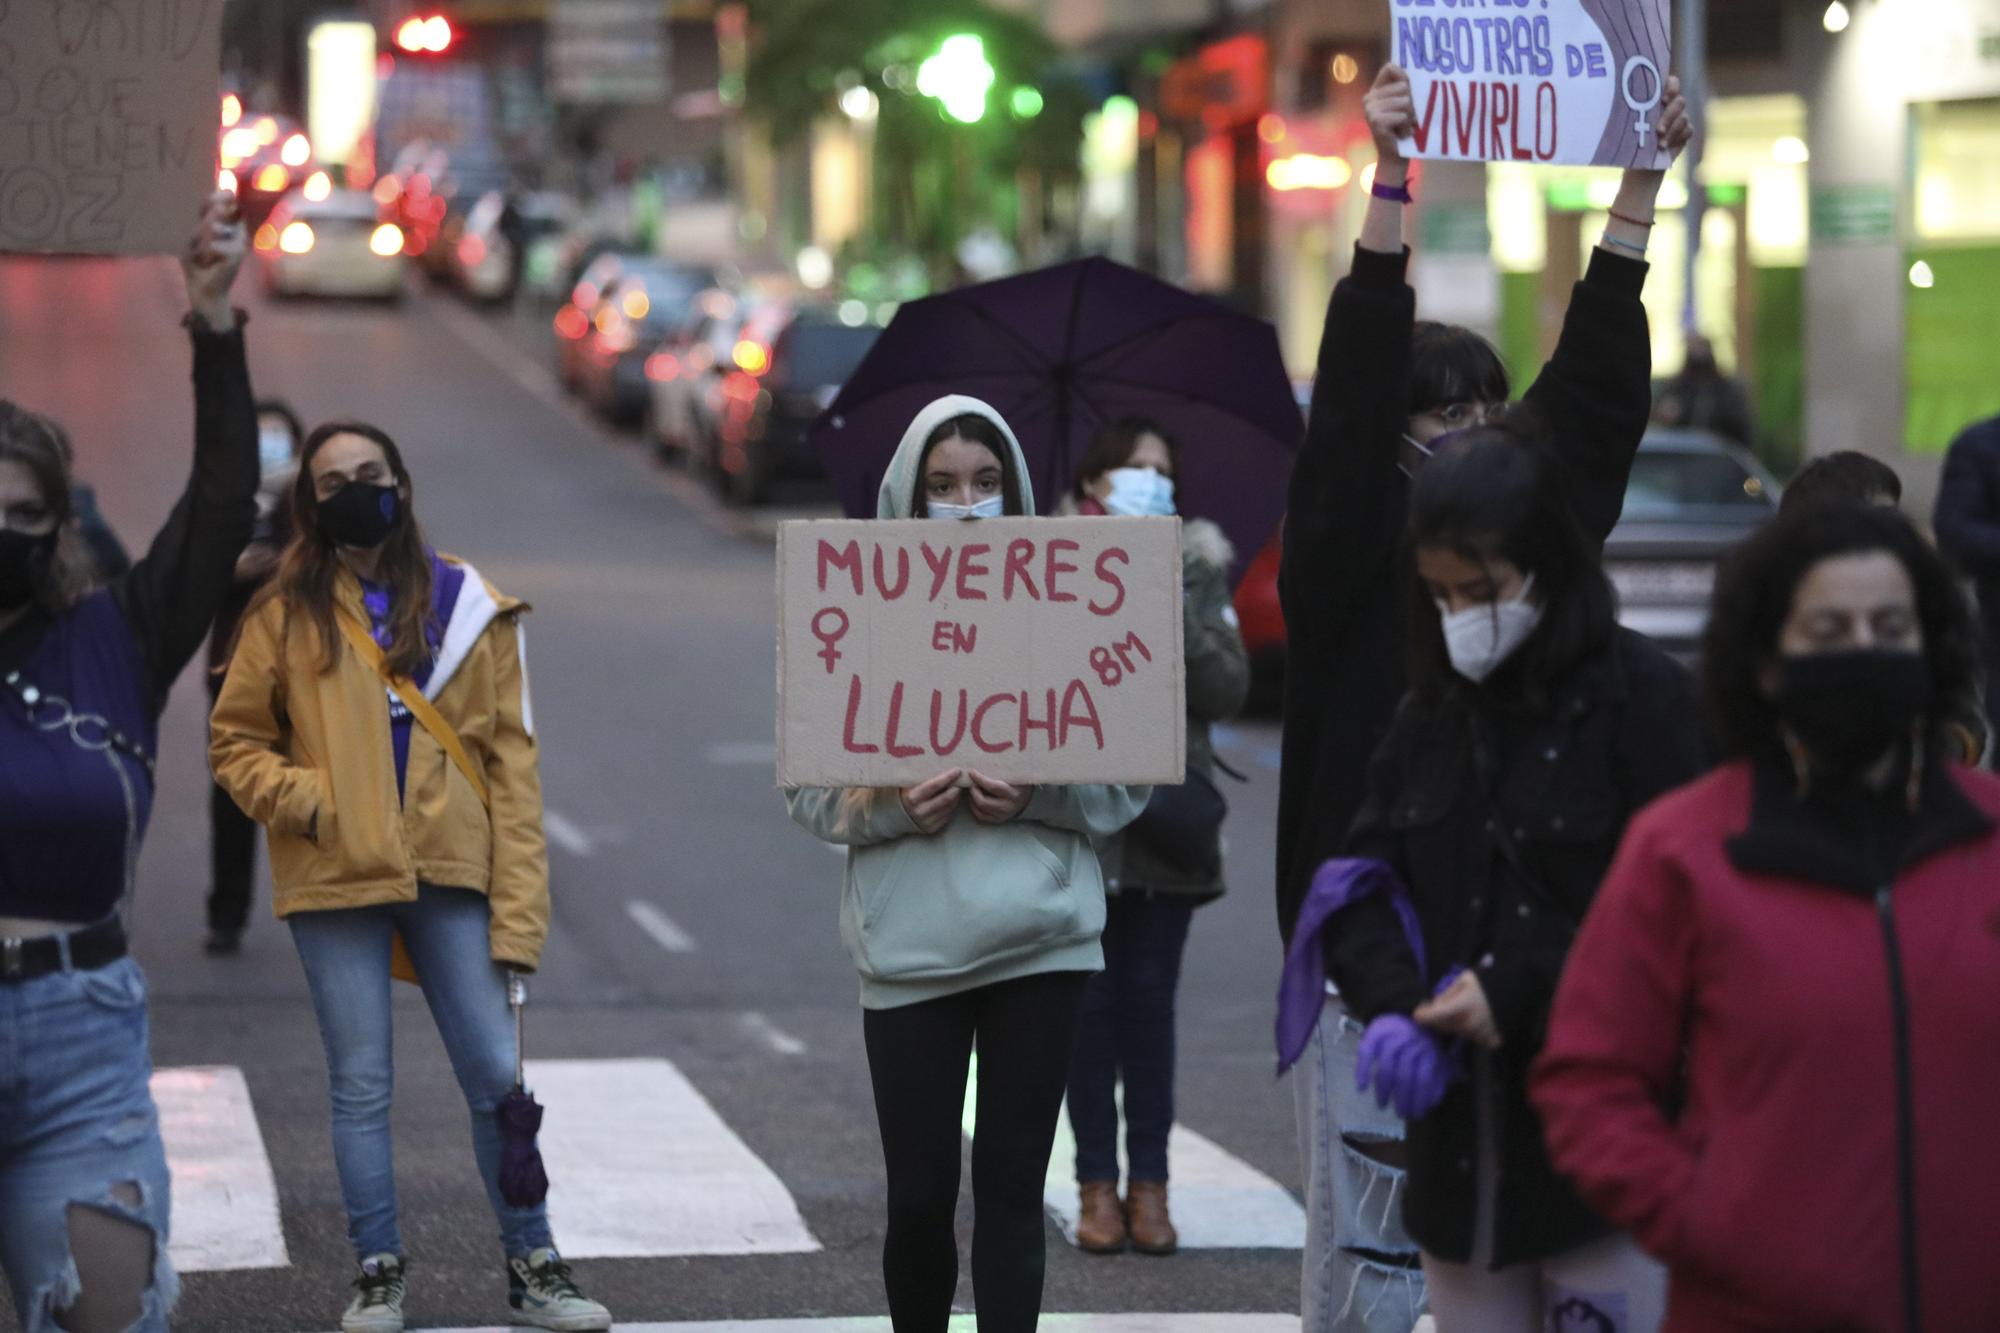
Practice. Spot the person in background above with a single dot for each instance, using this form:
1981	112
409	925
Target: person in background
1388	387
1800	955
973	914
1164	865
84	674
1701	397
385	827
108	557
1967	522
1847	474
233	834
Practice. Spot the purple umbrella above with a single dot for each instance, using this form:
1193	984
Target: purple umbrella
1061	352
524	1182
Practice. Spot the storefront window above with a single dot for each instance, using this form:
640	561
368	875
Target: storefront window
1956	164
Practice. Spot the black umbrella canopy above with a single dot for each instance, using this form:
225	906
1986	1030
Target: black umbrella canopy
1063	351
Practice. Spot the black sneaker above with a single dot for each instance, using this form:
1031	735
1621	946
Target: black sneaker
377	1306
222	941
542	1294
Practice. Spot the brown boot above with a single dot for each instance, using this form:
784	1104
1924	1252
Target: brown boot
1100	1228
1146	1216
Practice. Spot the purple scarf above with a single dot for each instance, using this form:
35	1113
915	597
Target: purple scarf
1302	986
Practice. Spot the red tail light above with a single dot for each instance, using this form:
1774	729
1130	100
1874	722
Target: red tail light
663	366
572	323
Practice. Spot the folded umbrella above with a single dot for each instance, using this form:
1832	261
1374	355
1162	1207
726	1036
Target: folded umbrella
1065	350
524	1182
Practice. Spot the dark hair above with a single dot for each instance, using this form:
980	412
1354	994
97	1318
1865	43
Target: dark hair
979	430
1452	364
278	407
1495	492
311	566
1754	590
1114	446
1846	475
39	445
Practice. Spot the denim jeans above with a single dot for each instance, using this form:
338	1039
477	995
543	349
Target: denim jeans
1128	1033
77	1127
346	957
1361	1270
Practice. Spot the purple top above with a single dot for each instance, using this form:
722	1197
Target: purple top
446	581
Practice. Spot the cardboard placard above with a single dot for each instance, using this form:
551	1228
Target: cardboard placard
109	119
1044	650
1572	81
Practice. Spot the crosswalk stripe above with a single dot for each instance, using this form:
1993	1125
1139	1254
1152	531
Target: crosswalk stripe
641	1165
1219	1201
966	1323
225	1204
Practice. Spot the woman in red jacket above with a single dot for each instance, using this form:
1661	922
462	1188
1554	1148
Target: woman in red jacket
1803	949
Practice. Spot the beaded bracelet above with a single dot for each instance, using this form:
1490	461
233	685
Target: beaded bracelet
1628	218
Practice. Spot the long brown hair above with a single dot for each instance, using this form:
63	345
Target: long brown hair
311	566
38	444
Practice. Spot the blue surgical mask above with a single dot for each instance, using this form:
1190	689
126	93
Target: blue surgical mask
991	507
1139	492
274	452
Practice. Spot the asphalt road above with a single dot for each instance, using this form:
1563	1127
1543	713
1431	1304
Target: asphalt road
651	652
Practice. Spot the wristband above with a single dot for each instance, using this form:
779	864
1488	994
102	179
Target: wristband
1627	218
1623	244
1395	193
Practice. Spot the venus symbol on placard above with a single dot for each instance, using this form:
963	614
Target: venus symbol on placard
829	632
1640	108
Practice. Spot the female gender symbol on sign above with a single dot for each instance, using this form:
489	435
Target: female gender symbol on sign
829	632
1640	108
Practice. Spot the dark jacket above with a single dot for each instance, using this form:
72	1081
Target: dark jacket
1342	584
1566	775
1837	1015
1967	519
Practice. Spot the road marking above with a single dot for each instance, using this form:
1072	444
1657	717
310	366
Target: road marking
657	924
225	1199
1220	1201
764	1030
641	1165
966	1323
742	754
566	835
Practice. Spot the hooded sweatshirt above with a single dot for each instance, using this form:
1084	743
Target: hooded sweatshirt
929	915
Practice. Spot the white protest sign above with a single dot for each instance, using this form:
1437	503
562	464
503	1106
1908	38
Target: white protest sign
109	115
1572	81
1044	650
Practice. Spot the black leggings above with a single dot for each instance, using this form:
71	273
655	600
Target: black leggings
917	1056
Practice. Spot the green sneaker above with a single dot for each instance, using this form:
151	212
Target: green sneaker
377	1306
544	1295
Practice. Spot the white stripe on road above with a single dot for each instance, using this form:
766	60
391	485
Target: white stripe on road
773	1036
1220	1202
967	1323
225	1208
741	753
641	1165
660	926
566	835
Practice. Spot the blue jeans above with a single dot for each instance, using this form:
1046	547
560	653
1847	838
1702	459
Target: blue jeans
1128	1032
346	957
1361	1270
77	1129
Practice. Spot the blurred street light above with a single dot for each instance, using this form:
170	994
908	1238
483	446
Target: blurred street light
1026	103
860	104
959	76
1836	17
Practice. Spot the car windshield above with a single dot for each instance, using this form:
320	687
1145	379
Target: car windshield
814	355
1679	483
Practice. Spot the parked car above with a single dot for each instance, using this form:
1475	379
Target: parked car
484	263
645	300
771	398
1692	496
268	156
334	246
723	331
573	317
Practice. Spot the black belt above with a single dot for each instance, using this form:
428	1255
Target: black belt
90	947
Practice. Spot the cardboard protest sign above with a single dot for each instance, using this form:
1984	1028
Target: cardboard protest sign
1030	649
1574	81
109	115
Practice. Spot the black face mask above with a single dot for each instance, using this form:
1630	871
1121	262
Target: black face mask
22	560
360	514
1850	708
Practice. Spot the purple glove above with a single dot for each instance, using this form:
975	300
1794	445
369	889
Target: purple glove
1408	1066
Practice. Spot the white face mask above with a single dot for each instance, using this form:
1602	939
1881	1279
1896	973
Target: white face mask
1480	638
1139	492
991	507
274	452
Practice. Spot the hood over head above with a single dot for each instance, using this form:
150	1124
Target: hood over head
897	498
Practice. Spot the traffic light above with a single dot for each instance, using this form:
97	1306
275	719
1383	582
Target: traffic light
419	35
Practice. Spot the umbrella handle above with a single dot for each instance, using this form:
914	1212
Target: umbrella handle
517	997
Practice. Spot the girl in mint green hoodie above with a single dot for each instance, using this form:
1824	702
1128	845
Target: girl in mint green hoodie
973	915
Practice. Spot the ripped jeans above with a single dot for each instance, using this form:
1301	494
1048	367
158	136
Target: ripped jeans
1361	1271
77	1128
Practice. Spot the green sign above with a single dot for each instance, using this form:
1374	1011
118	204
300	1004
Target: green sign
1454	229
1853	215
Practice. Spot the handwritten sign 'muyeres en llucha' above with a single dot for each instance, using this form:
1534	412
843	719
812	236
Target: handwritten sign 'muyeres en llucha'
1030	649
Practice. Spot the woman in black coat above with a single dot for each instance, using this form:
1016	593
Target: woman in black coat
1534	729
